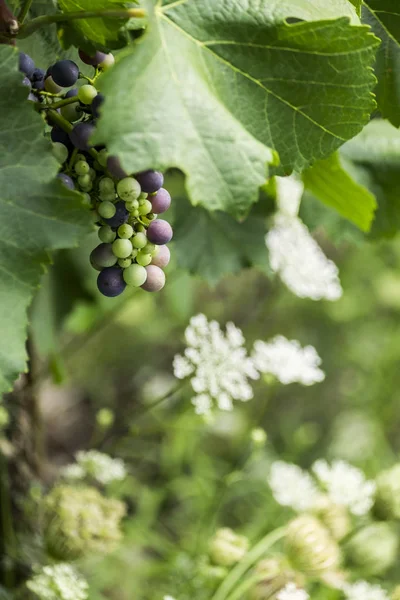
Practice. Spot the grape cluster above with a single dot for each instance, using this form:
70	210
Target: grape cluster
133	250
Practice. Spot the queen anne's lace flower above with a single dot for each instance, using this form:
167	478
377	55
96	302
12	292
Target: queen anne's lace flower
346	485
292	592
291	486
364	591
58	582
218	363
288	361
96	465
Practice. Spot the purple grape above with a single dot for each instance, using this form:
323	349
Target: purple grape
59	135
38	74
72	93
67	181
32	97
155	279
65	73
121	216
96	103
49	71
38	84
102	256
150	181
26	82
111	282
162	258
80	135
161	201
159	232
26	64
114	167
94	60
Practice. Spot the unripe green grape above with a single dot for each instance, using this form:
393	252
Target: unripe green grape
79	157
87	93
82	167
97	165
134	253
135	275
145	208
135	213
84	180
143	196
122	248
70	112
106	210
144	259
51	86
87	187
108	62
139	241
149	248
125	231
106	184
92	174
102	158
110	196
156	251
106	234
140	228
124	263
87	199
128	188
60	152
132	205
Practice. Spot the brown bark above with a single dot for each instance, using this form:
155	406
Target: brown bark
8	24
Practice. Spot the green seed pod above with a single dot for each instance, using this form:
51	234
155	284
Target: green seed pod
79	520
310	547
227	547
335	517
373	549
387	499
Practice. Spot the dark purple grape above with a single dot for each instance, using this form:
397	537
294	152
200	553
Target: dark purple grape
67	181
26	82
159	232
72	93
111	282
65	73
161	201
80	135
155	279
162	258
115	169
49	71
38	85
150	181
38	74
59	135
121	216
26	64
96	103
102	256
94	60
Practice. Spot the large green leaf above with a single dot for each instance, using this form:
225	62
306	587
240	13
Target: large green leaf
37	213
213	85
384	18
329	181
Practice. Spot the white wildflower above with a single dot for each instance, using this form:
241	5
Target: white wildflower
364	591
291	486
96	465
218	363
288	361
292	592
73	471
346	485
58	582
293	252
168	598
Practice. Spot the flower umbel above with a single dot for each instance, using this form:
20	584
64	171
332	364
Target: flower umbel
291	486
58	582
96	465
364	591
218	363
292	592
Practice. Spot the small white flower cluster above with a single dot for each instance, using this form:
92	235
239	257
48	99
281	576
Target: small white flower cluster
221	369
288	361
364	591
292	592
344	485
168	598
293	252
96	465
58	582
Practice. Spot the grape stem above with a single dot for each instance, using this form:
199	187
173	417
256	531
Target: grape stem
8	23
59	104
35	24
24	11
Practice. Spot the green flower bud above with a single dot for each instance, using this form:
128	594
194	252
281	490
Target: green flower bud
373	549
258	437
273	573
335	517
227	547
80	520
396	593
310	546
105	418
387	499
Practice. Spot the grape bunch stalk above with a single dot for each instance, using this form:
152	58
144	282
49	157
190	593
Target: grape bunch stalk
133	250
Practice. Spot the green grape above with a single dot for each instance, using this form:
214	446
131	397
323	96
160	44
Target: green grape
140	240
143	196
149	248
51	86
106	234
134	253
102	158
135	275
71	112
87	199
125	231
60	152
132	205
108	62
84	180
140	228
82	167
87	93
122	248
107	196
106	184
92	173
106	210
145	208
155	251
128	188
144	259
79	157
86	187
124	263
97	165
135	213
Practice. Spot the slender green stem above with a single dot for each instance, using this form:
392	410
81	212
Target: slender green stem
257	552
35	24
24	11
59	104
66	126
9	538
248	584
89	79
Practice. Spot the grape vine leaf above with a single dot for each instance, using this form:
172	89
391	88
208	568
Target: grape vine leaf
384	18
357	4
38	213
212	85
329	181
